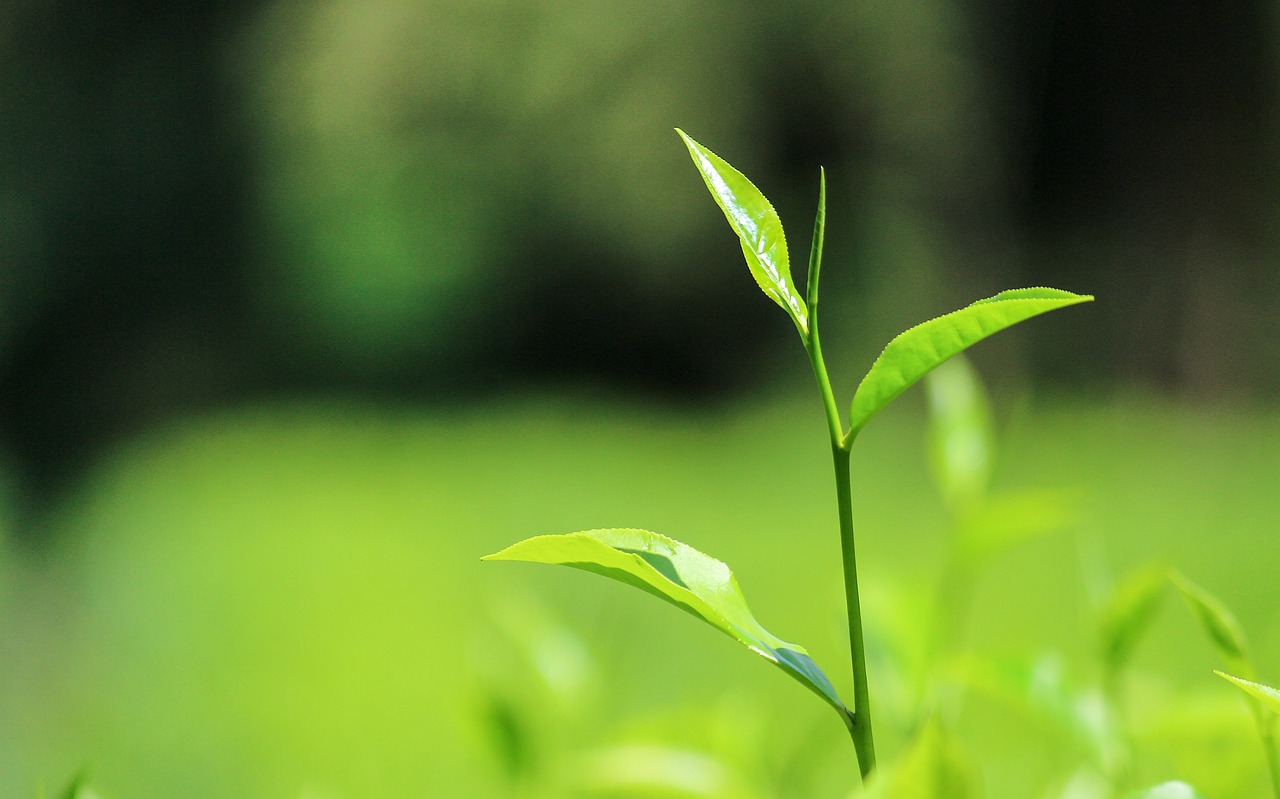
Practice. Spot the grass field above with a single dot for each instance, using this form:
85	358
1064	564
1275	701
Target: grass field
289	602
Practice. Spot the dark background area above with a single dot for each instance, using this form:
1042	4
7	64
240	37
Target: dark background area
204	205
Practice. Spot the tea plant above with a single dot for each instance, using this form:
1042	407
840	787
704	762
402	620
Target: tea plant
704	586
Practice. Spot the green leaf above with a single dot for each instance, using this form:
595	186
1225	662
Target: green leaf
815	247
1218	622
1269	697
758	227
931	768
1169	790
913	354
960	437
1128	613
684	577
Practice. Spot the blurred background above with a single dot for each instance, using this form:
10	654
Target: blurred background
307	304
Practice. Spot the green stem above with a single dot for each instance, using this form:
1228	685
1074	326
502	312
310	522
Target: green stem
863	740
860	723
859	720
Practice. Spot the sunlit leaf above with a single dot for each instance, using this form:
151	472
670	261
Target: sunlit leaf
1128	613
758	227
1268	696
1218	622
1169	790
960	436
913	354
931	768
682	576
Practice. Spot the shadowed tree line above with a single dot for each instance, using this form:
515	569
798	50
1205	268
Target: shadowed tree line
203	205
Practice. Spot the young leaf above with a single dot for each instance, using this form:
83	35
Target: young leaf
815	247
1218	622
1128	612
684	577
913	354
1268	696
960	436
758	227
1169	790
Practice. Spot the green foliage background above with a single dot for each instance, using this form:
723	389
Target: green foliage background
290	601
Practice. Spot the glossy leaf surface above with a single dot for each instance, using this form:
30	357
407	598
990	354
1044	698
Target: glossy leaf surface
759	229
1268	696
1218	622
1169	790
682	576
916	352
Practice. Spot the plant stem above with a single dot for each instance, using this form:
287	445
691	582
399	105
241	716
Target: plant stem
863	741
859	720
860	723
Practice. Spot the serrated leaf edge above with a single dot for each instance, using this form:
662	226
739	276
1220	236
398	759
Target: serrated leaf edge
792	303
1060	302
1257	692
1074	299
